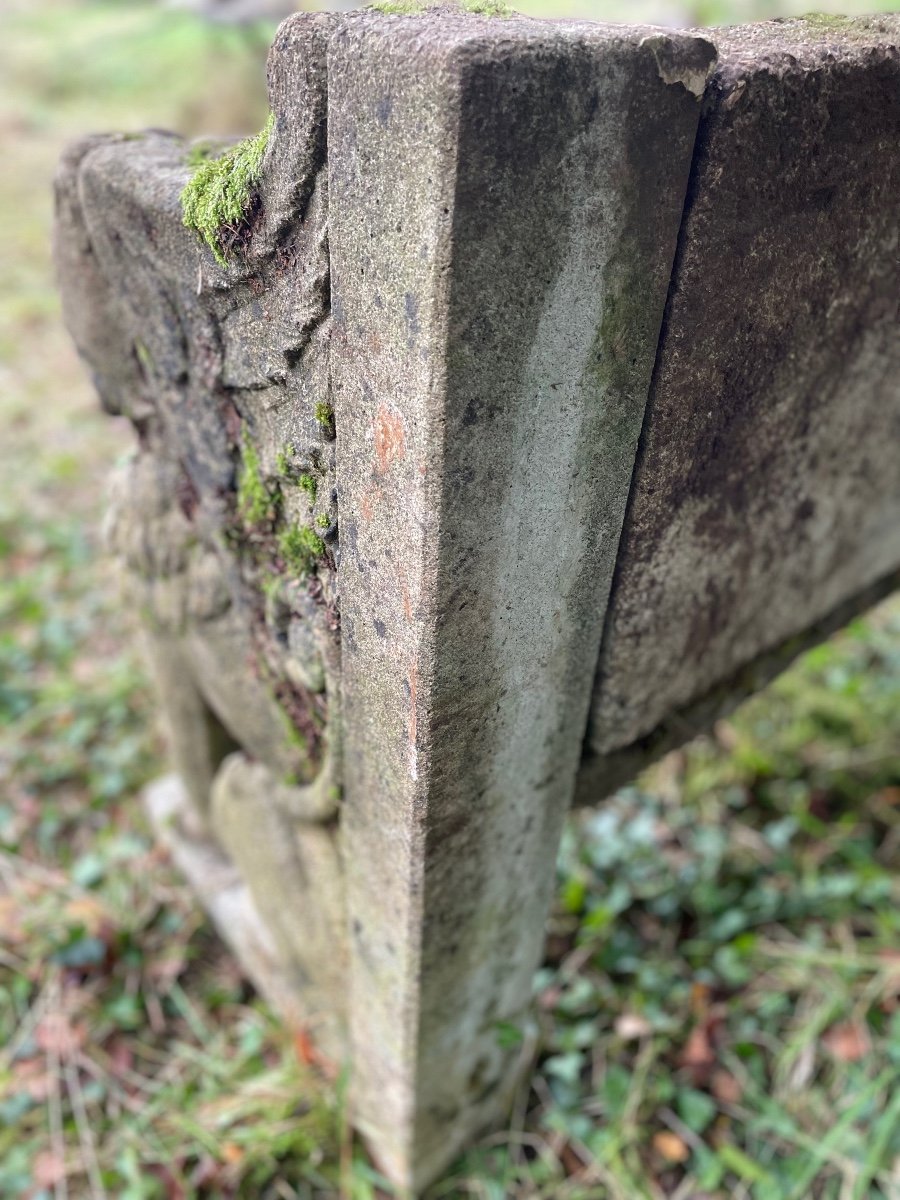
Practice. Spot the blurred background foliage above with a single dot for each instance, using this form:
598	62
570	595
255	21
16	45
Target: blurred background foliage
720	1001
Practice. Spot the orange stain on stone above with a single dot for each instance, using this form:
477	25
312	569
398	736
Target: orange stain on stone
405	598
369	503
390	438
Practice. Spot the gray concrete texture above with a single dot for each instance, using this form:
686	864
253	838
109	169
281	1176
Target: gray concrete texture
505	203
767	485
220	370
610	335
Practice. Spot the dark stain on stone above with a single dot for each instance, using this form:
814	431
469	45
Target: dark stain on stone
805	510
384	106
411	305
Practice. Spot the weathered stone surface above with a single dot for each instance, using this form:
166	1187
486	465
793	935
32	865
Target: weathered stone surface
279	839
225	895
223	371
505	198
441	314
767	487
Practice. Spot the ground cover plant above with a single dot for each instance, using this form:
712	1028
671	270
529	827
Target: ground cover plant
719	1009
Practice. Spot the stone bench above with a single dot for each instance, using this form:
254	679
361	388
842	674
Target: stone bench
534	396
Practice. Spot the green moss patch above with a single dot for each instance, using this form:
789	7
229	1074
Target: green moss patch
482	8
257	502
309	485
398	7
283	461
218	197
823	20
488	8
199	153
300	546
324	415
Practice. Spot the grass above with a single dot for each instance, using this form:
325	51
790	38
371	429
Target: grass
720	997
720	1004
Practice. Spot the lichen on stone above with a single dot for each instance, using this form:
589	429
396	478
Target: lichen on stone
217	198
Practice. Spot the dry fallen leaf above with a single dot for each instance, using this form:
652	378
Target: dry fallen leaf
848	1041
632	1025
56	1034
726	735
671	1146
30	1075
87	912
305	1048
700	998
570	1159
12	930
49	1169
698	1056
121	1056
725	1087
549	998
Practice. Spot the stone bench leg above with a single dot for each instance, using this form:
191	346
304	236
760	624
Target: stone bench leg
504	205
